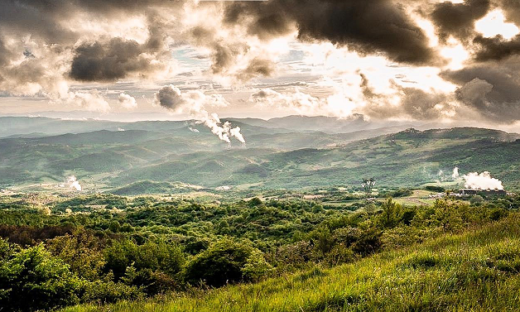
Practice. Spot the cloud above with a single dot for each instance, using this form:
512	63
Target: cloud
297	101
496	49
91	101
368	26
458	19
48	46
45	45
491	90
127	101
475	91
408	103
194	103
511	10
170	97
116	59
238	61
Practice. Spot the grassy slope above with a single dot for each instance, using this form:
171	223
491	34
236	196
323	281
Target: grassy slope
475	271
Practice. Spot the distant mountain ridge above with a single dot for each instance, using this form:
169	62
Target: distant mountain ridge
273	157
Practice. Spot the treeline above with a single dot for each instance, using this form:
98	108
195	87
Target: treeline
69	258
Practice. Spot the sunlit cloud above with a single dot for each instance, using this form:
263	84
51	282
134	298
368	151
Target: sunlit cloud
494	24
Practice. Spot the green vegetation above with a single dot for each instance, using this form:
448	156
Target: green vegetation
163	158
104	249
174	220
474	271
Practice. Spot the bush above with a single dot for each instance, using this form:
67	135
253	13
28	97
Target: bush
148	261
32	279
222	263
340	254
256	267
109	291
368	242
477	199
391	215
81	251
433	188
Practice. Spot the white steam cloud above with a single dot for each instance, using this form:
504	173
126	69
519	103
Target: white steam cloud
455	174
73	183
483	181
194	103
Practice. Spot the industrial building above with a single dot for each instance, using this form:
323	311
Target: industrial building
470	192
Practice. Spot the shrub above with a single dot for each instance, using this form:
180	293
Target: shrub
391	215
222	263
256	267
151	258
109	291
81	251
32	279
340	254
477	199
433	188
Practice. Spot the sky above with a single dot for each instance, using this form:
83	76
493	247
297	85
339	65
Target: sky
420	60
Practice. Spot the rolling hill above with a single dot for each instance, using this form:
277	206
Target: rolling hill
274	157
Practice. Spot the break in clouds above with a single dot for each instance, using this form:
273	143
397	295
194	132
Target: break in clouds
418	59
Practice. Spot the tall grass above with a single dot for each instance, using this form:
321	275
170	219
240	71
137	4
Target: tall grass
475	271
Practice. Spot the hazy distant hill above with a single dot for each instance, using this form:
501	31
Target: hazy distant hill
276	155
41	126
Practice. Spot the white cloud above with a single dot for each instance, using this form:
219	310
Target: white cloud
127	101
90	101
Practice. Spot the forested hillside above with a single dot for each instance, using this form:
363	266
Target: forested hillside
272	158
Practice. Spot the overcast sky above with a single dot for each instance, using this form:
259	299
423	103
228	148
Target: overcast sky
424	60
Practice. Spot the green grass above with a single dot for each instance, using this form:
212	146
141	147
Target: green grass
475	271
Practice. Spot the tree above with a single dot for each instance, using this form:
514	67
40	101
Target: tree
391	215
368	185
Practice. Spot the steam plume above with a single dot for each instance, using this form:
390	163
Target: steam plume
482	181
194	103
455	174
73	183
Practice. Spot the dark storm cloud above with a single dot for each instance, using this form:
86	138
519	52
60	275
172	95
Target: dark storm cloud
35	18
367	26
421	105
458	19
257	67
415	103
223	57
367	90
269	19
113	60
491	89
511	10
169	97
47	19
496	48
